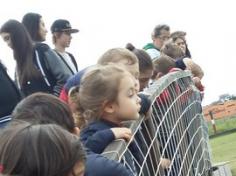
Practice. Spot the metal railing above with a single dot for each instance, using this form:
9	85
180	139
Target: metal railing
173	139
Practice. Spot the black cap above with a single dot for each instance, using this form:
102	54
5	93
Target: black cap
62	26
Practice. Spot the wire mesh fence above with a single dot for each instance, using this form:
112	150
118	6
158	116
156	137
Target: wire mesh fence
173	139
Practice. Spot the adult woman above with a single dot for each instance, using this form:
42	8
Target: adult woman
37	68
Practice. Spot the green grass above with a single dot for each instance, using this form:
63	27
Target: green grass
224	149
223	125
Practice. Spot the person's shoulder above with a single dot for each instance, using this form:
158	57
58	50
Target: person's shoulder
75	80
39	46
70	54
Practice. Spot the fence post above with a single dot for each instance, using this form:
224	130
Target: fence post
212	121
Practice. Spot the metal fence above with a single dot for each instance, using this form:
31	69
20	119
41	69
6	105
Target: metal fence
173	139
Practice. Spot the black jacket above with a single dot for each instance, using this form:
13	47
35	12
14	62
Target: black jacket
66	64
53	71
9	94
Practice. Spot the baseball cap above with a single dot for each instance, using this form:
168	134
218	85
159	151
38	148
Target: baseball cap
62	25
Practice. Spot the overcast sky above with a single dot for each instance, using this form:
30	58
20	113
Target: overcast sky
104	24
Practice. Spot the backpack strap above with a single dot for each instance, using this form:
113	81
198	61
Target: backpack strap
64	61
73	60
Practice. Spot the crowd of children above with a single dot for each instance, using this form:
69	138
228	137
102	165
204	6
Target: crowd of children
66	136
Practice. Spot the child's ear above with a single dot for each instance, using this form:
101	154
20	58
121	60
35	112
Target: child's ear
109	107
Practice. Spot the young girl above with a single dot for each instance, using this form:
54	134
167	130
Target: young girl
108	97
22	153
145	65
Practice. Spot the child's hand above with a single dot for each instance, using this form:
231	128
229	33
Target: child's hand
197	82
165	163
122	133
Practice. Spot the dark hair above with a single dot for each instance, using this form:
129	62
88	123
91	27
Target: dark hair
181	34
42	108
178	34
27	149
55	36
22	48
31	22
163	64
145	61
157	30
172	50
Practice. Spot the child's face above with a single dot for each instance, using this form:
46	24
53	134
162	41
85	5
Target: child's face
144	79
134	71
128	102
180	42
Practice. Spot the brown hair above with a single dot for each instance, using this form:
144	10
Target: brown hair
99	86
42	108
178	34
115	55
73	96
163	64
56	35
157	30
145	61
22	153
172	50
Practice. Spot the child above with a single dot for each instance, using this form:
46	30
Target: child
107	97
120	56
175	52
145	65
41	108
21	152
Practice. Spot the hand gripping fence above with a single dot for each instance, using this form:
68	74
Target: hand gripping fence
173	139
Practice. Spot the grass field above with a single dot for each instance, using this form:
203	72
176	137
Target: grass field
223	125
224	149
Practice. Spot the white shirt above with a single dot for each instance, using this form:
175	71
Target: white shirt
68	60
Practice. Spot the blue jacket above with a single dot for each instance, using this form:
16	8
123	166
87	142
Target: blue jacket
98	135
98	165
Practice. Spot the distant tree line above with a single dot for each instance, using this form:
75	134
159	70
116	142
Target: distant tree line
223	98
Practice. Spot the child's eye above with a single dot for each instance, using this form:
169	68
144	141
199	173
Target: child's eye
131	93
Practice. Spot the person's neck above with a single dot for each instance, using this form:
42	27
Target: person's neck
59	48
111	120
157	46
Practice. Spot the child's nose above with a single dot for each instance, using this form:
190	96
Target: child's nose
138	100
